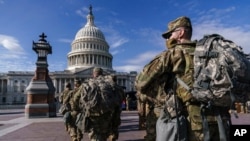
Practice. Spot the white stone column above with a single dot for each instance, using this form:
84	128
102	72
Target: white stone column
98	59
60	85
89	59
55	83
10	86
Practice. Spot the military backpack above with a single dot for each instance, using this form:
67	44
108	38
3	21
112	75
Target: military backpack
98	96
221	72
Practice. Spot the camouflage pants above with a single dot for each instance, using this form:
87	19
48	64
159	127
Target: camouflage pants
75	133
151	119
116	122
195	128
100	127
141	107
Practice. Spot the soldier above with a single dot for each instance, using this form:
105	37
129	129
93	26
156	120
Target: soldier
152	97
64	100
75	133
116	115
177	61
128	102
99	125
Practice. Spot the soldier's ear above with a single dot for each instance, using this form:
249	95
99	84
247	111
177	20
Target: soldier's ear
182	32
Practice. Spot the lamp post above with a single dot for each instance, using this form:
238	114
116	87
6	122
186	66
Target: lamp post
41	91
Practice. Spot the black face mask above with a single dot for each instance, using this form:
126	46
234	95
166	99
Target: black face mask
170	43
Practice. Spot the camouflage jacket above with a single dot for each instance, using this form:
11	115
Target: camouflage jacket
157	76
63	98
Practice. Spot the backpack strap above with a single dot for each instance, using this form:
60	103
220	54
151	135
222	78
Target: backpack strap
222	132
183	84
204	123
220	126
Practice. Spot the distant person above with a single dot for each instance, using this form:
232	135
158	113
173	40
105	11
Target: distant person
98	100
128	102
116	115
75	133
64	101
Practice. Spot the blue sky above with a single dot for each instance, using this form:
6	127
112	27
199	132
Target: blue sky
132	28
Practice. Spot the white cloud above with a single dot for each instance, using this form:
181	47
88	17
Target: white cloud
128	68
82	12
66	40
214	23
10	43
137	63
16	64
113	37
143	58
151	36
117	41
13	57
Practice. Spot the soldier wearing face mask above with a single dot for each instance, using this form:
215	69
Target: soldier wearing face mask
157	77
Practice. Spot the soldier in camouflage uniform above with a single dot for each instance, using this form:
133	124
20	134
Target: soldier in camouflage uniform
116	115
177	61
141	107
75	133
99	125
152	99
64	99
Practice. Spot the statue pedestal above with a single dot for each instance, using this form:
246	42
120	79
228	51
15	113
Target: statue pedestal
41	91
40	99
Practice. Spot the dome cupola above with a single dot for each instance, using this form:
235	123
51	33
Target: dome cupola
89	48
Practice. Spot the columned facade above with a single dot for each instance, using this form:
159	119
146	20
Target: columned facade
89	49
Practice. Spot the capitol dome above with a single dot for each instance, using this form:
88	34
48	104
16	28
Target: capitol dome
89	48
90	31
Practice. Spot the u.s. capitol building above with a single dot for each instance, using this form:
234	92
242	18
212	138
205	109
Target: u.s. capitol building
89	49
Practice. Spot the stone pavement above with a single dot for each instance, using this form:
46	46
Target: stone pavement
14	126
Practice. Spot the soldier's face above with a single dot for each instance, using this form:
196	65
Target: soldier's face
175	34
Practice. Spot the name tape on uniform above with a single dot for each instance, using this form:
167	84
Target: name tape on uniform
239	132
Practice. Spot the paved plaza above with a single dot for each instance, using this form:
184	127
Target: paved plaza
14	126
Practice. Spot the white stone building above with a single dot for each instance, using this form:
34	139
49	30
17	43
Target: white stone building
89	49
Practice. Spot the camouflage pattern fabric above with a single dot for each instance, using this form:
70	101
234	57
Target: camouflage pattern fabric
150	84
177	60
116	114
151	118
141	107
100	127
100	100
98	96
75	132
64	100
64	95
179	22
221	69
